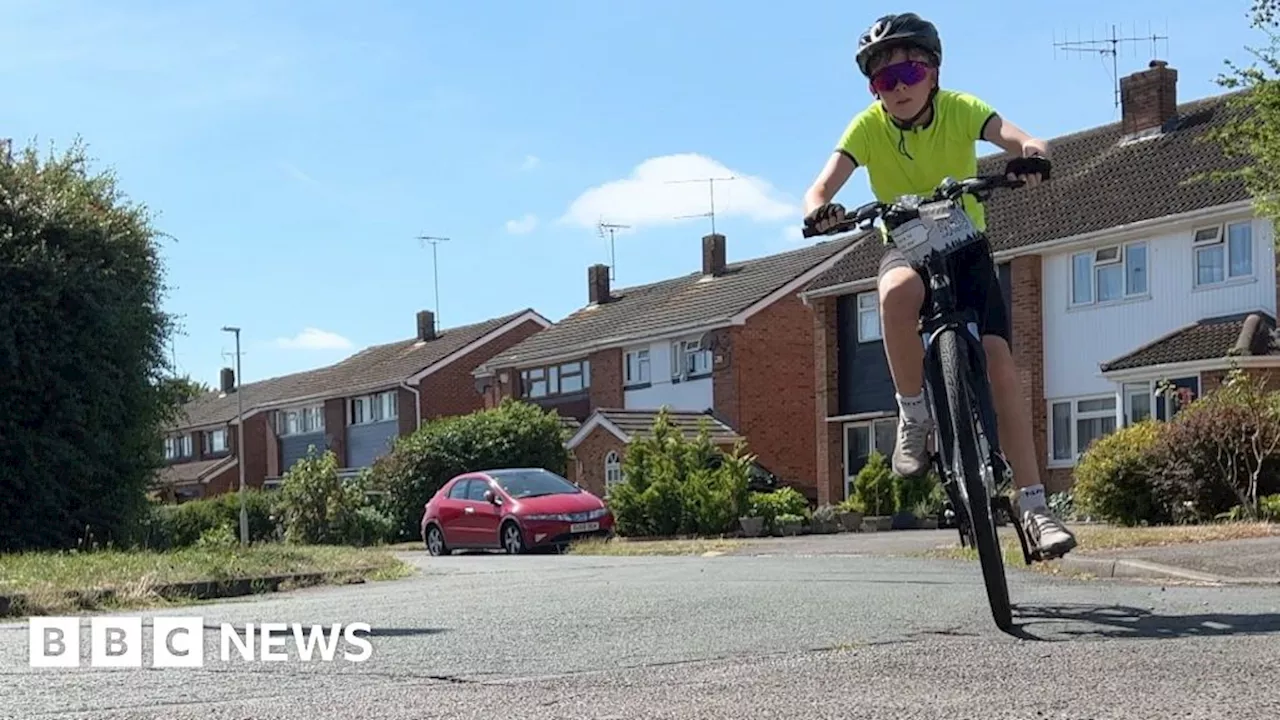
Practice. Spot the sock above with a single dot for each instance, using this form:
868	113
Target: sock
914	408
1030	498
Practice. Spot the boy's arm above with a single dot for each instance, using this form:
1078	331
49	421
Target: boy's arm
1013	139
833	177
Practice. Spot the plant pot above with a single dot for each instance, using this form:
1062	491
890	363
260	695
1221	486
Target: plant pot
928	523
851	521
904	520
825	527
877	523
791	528
751	526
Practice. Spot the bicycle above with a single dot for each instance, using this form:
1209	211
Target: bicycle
974	472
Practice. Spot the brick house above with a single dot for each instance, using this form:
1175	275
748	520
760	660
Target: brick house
1124	270
733	340
356	407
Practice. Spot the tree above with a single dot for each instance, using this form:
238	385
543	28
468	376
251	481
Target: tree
1252	133
82	340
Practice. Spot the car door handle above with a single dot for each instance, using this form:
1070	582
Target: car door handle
470	510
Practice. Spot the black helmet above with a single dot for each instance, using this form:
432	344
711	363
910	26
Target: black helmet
905	30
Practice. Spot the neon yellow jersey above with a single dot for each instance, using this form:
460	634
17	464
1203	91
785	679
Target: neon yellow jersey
903	162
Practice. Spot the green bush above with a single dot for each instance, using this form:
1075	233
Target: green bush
773	505
169	526
515	434
83	352
874	491
1219	452
916	494
674	485
1114	479
321	508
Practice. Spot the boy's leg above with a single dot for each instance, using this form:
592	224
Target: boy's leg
902	293
1013	414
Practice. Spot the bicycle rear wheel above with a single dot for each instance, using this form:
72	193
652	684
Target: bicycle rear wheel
954	356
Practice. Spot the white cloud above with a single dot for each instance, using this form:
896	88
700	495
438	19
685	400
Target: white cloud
523	226
530	162
313	339
648	197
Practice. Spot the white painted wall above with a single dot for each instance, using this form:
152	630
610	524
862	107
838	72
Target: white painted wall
1078	339
691	395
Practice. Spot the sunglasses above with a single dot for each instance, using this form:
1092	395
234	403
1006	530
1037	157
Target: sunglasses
908	73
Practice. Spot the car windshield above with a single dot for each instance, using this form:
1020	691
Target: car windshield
532	483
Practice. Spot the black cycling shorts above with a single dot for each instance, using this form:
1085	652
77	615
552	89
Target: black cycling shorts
977	285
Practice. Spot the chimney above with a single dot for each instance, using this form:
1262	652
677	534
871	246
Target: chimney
228	380
426	325
713	254
598	284
1148	98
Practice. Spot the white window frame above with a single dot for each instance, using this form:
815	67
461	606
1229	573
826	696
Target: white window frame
870	425
375	408
1136	388
637	369
872	301
217	441
1101	258
1211	238
689	361
308	419
177	447
612	470
1076	417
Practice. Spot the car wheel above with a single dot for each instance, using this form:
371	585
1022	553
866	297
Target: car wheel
512	538
435	541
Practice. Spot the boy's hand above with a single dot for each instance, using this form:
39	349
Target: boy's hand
1031	148
824	217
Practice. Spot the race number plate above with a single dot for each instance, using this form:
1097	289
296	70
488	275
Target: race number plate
909	236
952	227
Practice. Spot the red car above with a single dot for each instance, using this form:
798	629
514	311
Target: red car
514	510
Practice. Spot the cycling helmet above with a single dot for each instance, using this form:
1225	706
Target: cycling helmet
905	30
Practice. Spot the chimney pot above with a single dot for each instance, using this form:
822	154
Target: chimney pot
228	380
713	261
1148	98
598	284
426	325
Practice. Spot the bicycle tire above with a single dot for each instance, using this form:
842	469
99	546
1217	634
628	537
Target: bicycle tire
953	354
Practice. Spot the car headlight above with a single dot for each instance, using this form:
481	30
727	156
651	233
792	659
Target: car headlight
560	517
597	514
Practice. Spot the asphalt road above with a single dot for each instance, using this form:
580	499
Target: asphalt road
809	636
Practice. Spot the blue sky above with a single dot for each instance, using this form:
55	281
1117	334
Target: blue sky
295	149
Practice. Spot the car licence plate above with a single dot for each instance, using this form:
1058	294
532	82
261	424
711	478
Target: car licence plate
584	527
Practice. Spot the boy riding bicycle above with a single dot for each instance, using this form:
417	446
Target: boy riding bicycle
909	139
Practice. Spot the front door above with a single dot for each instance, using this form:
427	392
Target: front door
484	517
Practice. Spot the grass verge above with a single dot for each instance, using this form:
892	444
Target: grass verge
622	546
55	582
1093	539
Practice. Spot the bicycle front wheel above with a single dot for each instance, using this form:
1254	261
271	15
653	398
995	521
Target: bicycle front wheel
954	356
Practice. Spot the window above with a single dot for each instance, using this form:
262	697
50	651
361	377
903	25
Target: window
380	407
1077	423
1137	402
689	361
562	379
1219	259
177	447
861	438
868	317
300	421
612	470
1108	274
460	489
1172	395
215	441
637	367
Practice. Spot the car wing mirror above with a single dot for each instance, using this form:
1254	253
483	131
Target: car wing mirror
492	497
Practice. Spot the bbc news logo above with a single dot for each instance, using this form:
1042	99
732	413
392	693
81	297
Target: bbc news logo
178	642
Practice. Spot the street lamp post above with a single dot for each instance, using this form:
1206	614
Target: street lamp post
244	511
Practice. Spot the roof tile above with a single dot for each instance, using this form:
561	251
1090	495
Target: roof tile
1208	339
690	300
370	369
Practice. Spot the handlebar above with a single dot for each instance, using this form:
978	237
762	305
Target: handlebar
980	187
